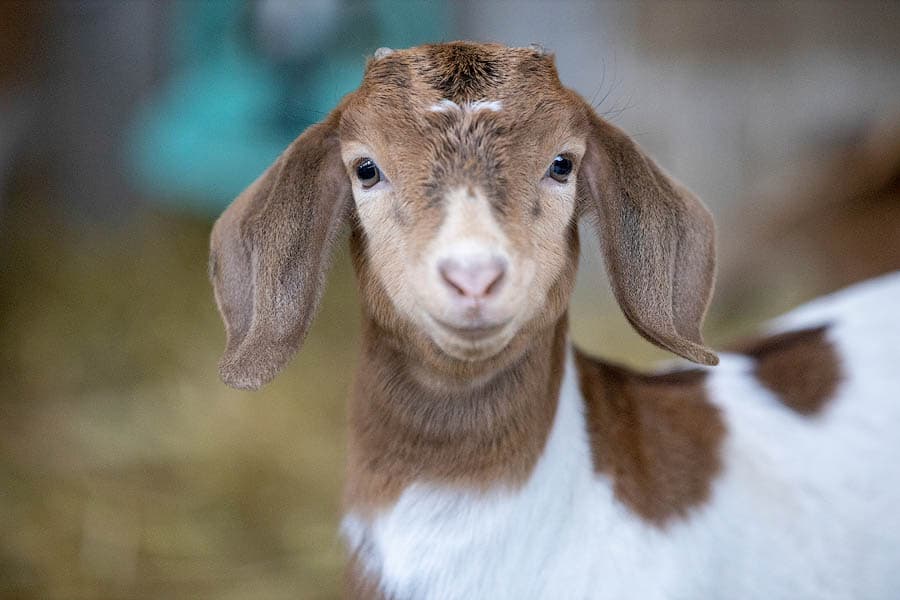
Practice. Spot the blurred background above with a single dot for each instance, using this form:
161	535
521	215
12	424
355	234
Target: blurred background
127	470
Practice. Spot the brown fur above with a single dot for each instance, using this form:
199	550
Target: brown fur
657	240
463	72
270	253
801	367
410	425
657	437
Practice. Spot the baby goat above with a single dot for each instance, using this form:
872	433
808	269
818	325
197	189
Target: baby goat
489	459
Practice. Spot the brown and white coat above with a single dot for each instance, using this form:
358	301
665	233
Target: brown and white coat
489	459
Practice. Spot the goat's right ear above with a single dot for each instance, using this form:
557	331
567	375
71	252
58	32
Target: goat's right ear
270	252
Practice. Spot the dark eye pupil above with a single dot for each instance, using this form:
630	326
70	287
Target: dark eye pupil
561	166
367	172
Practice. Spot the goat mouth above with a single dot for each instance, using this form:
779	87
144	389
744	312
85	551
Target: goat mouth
475	331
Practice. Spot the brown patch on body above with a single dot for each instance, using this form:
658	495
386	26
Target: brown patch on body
656	436
801	367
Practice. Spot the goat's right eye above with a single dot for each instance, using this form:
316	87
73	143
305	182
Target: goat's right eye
368	172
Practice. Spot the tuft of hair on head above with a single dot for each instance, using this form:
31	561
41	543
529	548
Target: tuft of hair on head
539	49
382	52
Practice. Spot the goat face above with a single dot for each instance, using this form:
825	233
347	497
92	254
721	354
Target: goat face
462	169
464	195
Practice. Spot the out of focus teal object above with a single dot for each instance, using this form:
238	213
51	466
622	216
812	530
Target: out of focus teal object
248	78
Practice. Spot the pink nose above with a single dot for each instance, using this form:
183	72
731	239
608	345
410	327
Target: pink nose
473	277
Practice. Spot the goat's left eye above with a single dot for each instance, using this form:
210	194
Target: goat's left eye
368	172
560	168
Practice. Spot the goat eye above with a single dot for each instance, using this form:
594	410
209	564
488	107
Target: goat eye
368	172
560	168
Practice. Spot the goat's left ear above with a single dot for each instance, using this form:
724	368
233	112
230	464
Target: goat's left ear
658	241
270	252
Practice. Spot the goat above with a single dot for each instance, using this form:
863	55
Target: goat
489	459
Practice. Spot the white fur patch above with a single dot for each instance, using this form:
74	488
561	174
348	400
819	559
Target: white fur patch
449	105
469	226
470	229
444	106
492	105
805	508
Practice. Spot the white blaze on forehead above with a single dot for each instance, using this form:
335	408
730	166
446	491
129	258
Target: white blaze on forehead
469	234
449	105
469	225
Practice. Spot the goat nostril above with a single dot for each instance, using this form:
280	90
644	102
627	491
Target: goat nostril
447	275
473	279
495	283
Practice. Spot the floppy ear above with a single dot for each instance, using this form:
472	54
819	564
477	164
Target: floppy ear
658	241
270	252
